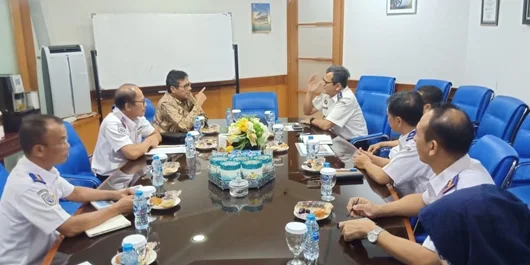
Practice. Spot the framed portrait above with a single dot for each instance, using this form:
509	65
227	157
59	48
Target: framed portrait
526	12
401	7
489	14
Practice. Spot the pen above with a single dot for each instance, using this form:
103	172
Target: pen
351	211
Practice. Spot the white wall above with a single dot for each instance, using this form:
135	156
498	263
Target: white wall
499	57
69	22
8	59
428	44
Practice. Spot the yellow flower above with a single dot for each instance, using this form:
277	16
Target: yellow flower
243	127
229	149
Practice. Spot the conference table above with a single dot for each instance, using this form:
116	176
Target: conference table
244	231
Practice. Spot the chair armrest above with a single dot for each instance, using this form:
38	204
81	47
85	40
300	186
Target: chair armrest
369	137
82	180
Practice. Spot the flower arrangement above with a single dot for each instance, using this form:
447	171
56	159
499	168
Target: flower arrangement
247	133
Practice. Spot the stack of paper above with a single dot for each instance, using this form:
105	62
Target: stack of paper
324	150
113	224
167	149
323	138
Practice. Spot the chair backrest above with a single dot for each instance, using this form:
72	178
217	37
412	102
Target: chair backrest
375	114
473	100
3	178
149	110
496	155
502	117
443	85
369	84
77	161
521	143
256	103
523	193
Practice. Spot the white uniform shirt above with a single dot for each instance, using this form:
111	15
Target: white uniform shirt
464	173
407	172
30	213
344	111
117	131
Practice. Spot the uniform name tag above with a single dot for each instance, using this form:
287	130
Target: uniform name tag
450	184
339	96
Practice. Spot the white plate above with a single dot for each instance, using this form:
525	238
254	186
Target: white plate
177	201
309	169
281	150
151	257
214	132
304	204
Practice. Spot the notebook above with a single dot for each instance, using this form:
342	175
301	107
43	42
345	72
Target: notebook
323	138
113	224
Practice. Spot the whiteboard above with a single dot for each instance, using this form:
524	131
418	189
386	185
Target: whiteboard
143	48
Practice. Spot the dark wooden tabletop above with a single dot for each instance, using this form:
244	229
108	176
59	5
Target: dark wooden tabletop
244	231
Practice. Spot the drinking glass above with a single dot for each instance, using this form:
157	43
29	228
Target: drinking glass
278	133
202	122
295	235
327	184
236	114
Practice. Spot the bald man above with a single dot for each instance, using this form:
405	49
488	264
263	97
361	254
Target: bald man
120	144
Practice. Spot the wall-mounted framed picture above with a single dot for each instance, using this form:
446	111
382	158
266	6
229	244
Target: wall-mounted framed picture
490	12
401	7
526	12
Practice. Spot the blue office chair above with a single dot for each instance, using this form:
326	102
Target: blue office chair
523	193
502	117
497	156
76	169
473	100
256	103
374	84
3	178
375	114
521	173
445	86
150	110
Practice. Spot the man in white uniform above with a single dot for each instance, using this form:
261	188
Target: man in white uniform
331	96
443	138
120	139
404	169
30	214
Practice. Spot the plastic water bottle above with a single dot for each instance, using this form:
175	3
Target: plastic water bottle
312	147
228	117
189	143
328	179
158	175
311	250
129	256
141	219
191	165
197	124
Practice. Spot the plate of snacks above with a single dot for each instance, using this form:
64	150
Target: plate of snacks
168	201
320	209
313	165
211	130
279	148
206	144
149	258
170	168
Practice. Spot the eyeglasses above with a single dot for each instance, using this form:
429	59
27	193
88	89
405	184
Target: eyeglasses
188	85
140	101
326	82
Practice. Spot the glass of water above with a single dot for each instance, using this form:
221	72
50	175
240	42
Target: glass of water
295	234
328	181
278	132
236	114
270	118
202	122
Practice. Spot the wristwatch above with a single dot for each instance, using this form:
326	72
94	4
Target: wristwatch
374	234
311	121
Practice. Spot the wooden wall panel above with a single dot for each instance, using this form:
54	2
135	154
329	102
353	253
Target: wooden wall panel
25	49
87	130
220	98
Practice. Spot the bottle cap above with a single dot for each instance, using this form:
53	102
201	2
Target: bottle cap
326	164
188	134
139	193
310	137
127	247
156	157
311	217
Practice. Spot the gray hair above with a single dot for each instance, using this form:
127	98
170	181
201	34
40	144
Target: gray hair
340	75
125	94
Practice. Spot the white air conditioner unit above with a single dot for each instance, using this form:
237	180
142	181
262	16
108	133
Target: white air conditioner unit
66	86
